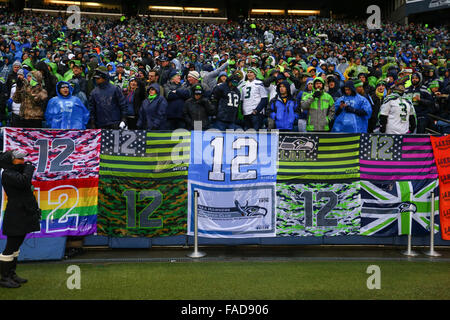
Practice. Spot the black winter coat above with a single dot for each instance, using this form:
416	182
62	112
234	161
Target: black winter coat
20	215
198	110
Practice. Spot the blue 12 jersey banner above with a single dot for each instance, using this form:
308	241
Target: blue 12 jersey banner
234	174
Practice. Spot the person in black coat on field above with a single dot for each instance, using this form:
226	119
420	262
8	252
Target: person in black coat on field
22	214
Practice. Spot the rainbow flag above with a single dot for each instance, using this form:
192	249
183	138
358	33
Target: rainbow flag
65	180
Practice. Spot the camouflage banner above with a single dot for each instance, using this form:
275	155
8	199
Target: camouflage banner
142	208
318	209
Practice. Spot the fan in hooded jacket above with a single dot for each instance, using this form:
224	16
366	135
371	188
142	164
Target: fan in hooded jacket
353	111
319	105
66	111
153	112
283	108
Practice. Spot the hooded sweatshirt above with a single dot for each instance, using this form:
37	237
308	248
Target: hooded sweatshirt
66	112
153	112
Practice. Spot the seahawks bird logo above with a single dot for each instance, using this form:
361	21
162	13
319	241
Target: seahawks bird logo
250	211
407	207
297	144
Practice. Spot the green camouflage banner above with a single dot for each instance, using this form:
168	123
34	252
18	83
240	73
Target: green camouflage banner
142	208
318	209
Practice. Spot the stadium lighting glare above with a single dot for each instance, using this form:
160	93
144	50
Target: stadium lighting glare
201	9
76	3
166	8
92	4
306	12
169	8
273	11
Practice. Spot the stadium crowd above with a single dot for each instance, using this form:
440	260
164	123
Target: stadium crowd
307	75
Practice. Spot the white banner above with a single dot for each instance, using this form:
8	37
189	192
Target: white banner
238	211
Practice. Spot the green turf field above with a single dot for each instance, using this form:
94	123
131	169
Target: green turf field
235	280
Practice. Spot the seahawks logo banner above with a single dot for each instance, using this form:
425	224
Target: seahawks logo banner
318	158
143	183
65	180
234	176
318	209
441	147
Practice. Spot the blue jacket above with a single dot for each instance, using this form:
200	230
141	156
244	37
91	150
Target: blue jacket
349	121
107	105
152	114
17	51
283	113
66	112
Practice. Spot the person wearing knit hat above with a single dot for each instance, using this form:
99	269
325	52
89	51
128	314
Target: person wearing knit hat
176	94
434	85
227	98
193	78
107	105
22	214
172	74
440	99
17	63
152	113
32	97
358	83
254	100
319	105
198	109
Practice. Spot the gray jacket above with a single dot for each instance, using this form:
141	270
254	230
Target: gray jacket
209	80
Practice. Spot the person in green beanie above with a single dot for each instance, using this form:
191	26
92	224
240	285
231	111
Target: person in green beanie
440	99
319	105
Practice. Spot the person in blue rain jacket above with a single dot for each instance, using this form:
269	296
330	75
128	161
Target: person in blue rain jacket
352	111
66	111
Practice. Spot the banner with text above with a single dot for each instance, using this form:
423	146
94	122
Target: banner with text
234	175
441	147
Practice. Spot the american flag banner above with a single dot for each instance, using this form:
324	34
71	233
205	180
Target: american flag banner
143	154
143	183
396	157
311	158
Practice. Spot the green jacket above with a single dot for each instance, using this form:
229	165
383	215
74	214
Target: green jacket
320	110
